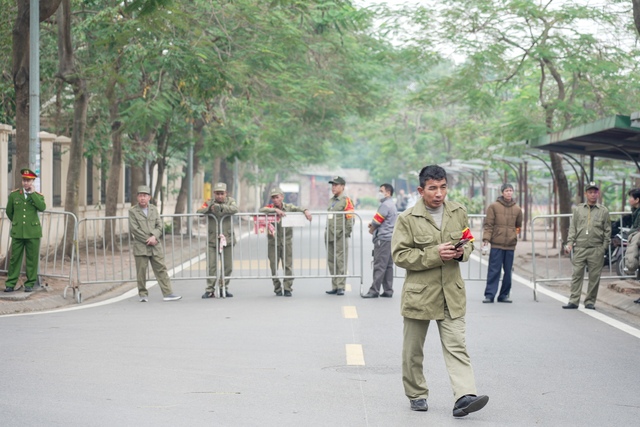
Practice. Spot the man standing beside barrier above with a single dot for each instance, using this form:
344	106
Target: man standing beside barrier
430	241
23	206
382	229
221	206
280	247
146	228
501	227
337	235
589	237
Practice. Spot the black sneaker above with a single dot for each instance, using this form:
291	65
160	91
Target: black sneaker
208	295
28	289
287	293
8	289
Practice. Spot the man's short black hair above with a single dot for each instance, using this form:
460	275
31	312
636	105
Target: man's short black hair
388	187
433	172
634	192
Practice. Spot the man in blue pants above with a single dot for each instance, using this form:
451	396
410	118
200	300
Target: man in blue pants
501	229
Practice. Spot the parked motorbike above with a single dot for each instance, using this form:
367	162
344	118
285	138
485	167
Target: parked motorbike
614	257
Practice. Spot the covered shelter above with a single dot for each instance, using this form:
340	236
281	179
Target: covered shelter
615	137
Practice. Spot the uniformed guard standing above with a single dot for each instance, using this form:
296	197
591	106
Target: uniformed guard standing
145	227
282	237
337	235
589	237
220	207
26	231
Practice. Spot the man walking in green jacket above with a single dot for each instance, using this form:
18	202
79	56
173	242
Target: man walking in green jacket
424	243
26	231
589	238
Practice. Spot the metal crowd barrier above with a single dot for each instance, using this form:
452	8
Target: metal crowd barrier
550	264
105	255
56	245
468	270
249	254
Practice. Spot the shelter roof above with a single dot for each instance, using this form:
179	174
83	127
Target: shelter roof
615	137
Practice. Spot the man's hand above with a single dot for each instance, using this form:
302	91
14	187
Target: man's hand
448	251
152	241
371	229
567	249
280	212
307	214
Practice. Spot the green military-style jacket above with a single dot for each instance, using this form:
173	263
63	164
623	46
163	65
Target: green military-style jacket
339	224
590	227
142	227
282	233
220	210
430	281
23	213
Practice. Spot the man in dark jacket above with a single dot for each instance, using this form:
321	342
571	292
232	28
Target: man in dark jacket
501	228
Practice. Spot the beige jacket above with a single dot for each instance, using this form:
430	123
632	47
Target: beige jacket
430	282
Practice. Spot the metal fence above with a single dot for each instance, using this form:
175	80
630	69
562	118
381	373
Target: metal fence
550	264
249	255
56	245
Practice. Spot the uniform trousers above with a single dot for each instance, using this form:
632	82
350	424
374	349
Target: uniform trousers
593	259
283	256
18	248
337	252
212	253
382	267
499	259
159	269
454	349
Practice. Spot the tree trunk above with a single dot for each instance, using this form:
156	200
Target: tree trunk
564	195
115	166
181	202
20	72
636	14
68	73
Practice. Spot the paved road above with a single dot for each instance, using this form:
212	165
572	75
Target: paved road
261	360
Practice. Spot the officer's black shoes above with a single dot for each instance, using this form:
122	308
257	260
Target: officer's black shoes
637	301
505	300
228	294
419	405
468	404
8	289
287	293
487	301
278	292
386	295
370	295
590	306
570	305
332	292
208	295
29	289
340	292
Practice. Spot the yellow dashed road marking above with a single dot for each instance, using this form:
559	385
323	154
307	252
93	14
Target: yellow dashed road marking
355	356
349	312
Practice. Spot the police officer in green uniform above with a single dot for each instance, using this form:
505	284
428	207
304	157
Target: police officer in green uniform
337	235
22	209
281	237
220	207
146	228
589	237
